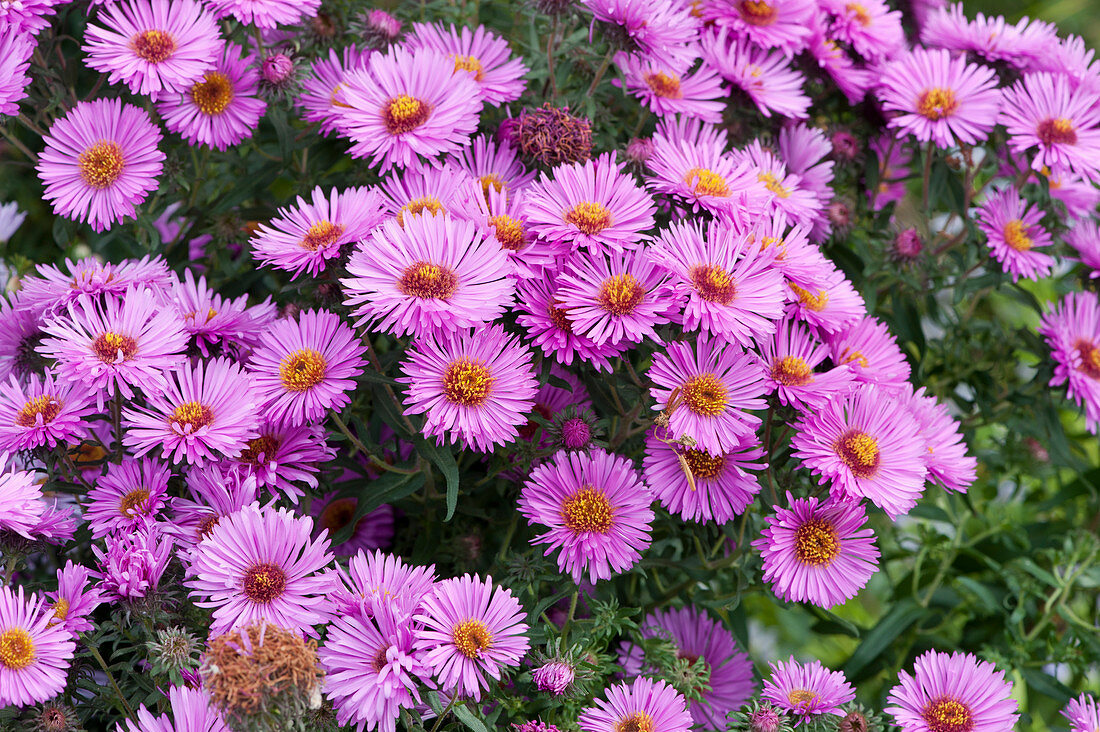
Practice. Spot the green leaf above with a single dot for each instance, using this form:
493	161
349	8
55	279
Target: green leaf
1047	685
832	624
389	488
445	461
468	718
875	641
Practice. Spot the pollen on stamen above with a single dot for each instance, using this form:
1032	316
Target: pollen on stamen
816	542
1016	235
705	182
664	85
321	235
937	103
404	114
467	383
154	46
587	512
713	283
621	294
859	451
45	406
589	217
302	370
101	164
704	395
428	281
757	12
213	94
791	371
471	637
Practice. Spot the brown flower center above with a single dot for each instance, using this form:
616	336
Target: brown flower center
337	514
302	370
114	348
705	182
1056	130
713	283
101	164
428	281
1090	359
321	235
467	383
46	405
133	502
705	395
213	94
191	416
860	453
471	637
664	85
404	114
16	649
589	217
621	294
263	446
791	371
757	12
264	582
559	317
937	103
207	525
1015	233
816	542
154	46
587	512
947	715
703	464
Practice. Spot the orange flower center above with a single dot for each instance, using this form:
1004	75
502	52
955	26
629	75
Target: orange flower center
1056	130
154	46
860	13
1015	233
636	722
467	383
264	445
589	217
772	184
937	103
114	348
621	294
46	405
428	281
816	542
16	649
491	180
133	502
559	318
417	206
664	85
705	182
321	235
791	371
302	370
860	453
101	164
471	64
703	464
815	302
713	283
757	12
587	512
213	94
471	637
801	697
191	416
705	395
60	611
509	232
947	715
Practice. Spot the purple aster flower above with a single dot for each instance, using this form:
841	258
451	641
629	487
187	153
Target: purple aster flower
133	562
400	108
304	367
26	16
101	160
481	53
74	601
261	566
215	493
702	175
283	456
867	446
215	323
1078	195
870	27
593	204
115	344
192	710
789	359
614	297
379	582
153	46
765	76
818	553
596	509
473	390
871	352
304	238
699	638
42	411
21	504
205	412
827	302
663	30
131	493
1083	714
719	486
11	217
642	704
1023	44
807	690
779	191
317	99
432	275
940	98
495	164
782	24
1043	112
223	107
555	677
1013	230
952	692
945	454
54	288
666	91
424	189
1085	238
729	282
472	630
372	531
503	217
266	13
705	390
1072	330
852	80
34	655
15	60
57	523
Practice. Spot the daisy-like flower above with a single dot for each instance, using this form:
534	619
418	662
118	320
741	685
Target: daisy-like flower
940	98
614	297
400	108
134	561
666	91
593	204
1024	44
765	76
705	391
719	486
789	359
371	666
42	411
221	108
699	638
1072	330
945	454
728	280
15	60
782	24
26	17
283	456
952	692
1044	113
870	27
115	344
807	690
871	352
1085	238
215	493
435	274
853	81
379	582
1083	714
829	302
701	174
1079	196
101	160
503	217
481	53
304	367
333	512
472	631
153	46
21	504
34	654
205	412
215	323
74	599
818	553
423	189
305	237
131	492
260	565
266	13
779	191
804	149
867	446
192	711
596	509
642	704
663	30
473	389
317	99
55	287
1013	231
494	163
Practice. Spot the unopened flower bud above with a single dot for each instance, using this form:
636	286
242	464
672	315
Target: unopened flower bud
555	677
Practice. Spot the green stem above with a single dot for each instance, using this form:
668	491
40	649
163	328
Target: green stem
17	144
599	73
925	193
446	710
569	617
110	677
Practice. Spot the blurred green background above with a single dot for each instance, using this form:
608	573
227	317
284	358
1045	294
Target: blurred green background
1071	16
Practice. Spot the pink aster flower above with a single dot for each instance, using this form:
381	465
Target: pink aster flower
1085	238
306	237
317	100
266	13
779	192
131	493
473	390
101	160
26	16
400	108
1043	112
1072	330
852	80
822	554
789	359
782	24
215	323
867	446
945	453
503	217
220	109
204	413
115	345
494	163
134	561
705	390
612	298
153	46
727	280
21	504
15	60
284	456
667	91
955	691
1079	196
699	485
871	352
42	411
192	710
1024	44
377	582
643	704
804	149
596	509
702	175
828	302
765	76
940	98
1083	714
34	654
807	690
423	189
74	599
304	367
663	30
1013	231
215	494
593	204
870	27
54	287
472	631
480	53
261	566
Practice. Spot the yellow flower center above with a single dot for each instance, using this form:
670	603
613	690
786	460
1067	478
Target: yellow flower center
417	206
801	697
491	180
848	356
664	85
1015	233
636	722
47	406
757	12
321	235
467	383
860	13
937	103
471	64
191	416
589	217
101	164
815	302
705	182
114	348
16	649
703	464
213	94
860	453
471	637
947	715
1056	130
428	281
621	294
713	283
302	370
587	512
404	114
705	395
772	184
154	46
816	542
509	232
264	445
60	611
791	371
